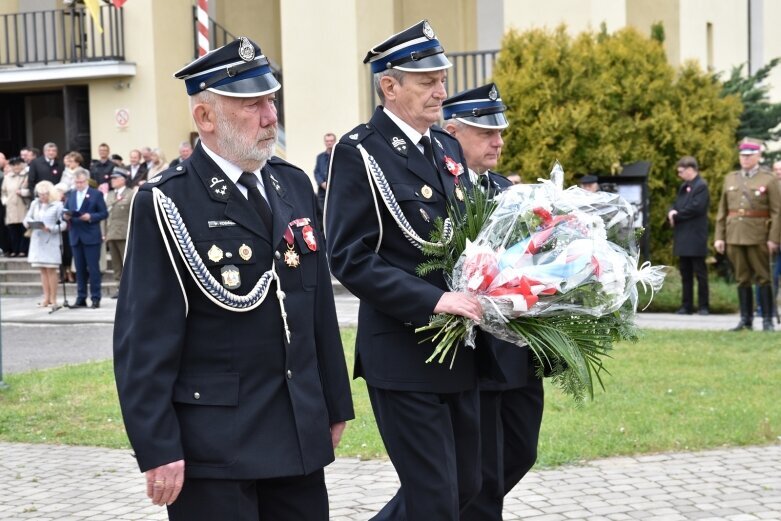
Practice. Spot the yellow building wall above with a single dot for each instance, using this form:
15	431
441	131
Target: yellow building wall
729	19
642	14
157	103
256	19
772	44
453	21
321	74
578	15
9	6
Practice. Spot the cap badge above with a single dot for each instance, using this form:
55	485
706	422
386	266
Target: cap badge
353	136
245	252
246	50
231	278
399	144
492	94
428	32
426	191
214	253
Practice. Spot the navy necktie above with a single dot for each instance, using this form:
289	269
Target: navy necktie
428	151
258	202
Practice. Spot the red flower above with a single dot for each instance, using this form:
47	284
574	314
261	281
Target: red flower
454	168
543	214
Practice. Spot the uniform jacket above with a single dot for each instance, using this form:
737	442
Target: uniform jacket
140	175
690	233
512	360
373	259
40	170
217	387
93	204
118	214
100	171
757	193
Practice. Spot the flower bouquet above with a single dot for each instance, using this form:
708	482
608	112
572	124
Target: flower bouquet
555	270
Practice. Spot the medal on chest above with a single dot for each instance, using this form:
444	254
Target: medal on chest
292	258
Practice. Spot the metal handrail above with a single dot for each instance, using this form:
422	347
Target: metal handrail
64	35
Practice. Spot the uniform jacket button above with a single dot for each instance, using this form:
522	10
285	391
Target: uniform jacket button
197	395
289	374
277	255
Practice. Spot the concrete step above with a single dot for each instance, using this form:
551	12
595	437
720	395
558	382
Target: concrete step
108	287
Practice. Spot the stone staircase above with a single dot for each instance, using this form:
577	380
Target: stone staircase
17	278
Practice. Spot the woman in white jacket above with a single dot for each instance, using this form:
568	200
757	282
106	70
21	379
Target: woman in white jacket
45	217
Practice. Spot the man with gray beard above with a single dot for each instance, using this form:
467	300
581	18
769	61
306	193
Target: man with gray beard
227	354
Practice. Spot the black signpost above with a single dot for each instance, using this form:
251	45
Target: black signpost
632	185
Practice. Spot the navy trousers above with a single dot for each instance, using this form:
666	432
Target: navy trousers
87	259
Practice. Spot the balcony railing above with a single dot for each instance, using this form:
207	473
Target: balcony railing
470	69
219	36
64	35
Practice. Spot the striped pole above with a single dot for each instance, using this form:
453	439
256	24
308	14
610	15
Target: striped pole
203	27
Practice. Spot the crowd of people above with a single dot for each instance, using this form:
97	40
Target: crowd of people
65	216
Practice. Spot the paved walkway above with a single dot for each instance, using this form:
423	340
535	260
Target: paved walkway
45	482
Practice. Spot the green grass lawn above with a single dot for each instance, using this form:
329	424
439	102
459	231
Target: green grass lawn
673	390
723	295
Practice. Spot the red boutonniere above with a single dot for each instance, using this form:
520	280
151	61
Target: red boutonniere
455	169
688	189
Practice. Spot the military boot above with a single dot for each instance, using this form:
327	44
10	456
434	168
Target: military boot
746	311
768	309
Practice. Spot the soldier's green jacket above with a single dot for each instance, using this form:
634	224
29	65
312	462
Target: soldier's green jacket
749	195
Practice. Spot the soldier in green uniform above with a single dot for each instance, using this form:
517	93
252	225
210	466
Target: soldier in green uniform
748	227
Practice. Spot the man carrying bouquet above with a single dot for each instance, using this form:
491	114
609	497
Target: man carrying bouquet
510	411
390	179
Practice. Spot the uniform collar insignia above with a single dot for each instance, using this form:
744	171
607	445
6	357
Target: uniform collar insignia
399	144
353	136
438	143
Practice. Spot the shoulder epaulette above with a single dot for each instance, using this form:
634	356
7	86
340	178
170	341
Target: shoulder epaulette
163	177
278	161
357	134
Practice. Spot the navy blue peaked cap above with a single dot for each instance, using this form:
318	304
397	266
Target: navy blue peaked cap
237	69
413	50
479	107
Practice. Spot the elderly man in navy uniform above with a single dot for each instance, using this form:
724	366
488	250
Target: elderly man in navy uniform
510	410
389	180
748	227
228	360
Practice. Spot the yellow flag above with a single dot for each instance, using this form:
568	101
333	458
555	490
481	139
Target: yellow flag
94	10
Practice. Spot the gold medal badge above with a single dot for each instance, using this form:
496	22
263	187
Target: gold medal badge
291	257
245	252
214	253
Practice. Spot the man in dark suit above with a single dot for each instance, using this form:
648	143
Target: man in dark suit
185	151
45	168
510	410
100	169
390	179
136	169
85	208
689	218
228	359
